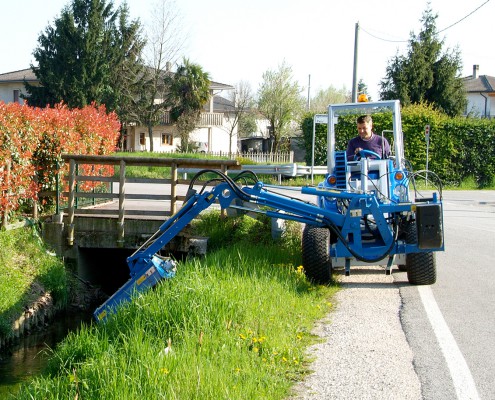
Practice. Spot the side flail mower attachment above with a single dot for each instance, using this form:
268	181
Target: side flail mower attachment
146	276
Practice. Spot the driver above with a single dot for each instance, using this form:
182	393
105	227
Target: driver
367	140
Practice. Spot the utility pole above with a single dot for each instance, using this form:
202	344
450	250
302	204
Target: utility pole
354	73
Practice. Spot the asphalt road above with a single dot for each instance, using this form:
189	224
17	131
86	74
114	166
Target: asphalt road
465	296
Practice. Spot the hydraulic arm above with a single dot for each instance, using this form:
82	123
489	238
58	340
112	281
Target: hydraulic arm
147	267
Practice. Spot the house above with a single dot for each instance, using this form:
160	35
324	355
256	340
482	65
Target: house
480	92
211	135
12	85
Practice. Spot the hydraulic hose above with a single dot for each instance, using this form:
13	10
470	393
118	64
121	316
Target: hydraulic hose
358	256
246	197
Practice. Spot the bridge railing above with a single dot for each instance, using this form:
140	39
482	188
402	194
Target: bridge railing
75	180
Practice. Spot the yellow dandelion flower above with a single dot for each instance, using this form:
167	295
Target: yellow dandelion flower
242	336
284	359
256	349
255	340
299	336
164	371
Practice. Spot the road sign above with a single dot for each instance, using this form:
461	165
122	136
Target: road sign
427	133
321	118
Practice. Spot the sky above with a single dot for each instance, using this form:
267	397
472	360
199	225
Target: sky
236	40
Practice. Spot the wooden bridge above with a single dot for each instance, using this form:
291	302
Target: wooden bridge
119	211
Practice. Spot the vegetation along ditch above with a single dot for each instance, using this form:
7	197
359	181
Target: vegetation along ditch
232	324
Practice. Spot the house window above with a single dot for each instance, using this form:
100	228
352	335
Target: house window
17	95
142	139
167	139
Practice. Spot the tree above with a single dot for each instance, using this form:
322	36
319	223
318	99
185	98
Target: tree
165	42
242	102
426	74
188	92
279	101
128	71
84	57
331	95
247	124
363	89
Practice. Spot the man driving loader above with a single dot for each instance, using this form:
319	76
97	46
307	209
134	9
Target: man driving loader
367	140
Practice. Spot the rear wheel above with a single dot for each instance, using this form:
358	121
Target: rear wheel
421	267
316	254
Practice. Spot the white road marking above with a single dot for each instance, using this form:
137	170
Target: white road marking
461	375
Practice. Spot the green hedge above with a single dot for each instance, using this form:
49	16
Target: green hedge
460	148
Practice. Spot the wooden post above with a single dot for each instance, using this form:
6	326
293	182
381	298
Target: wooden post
72	195
173	189
120	222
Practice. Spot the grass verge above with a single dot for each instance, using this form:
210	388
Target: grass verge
25	266
232	325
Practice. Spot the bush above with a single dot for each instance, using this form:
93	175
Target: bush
33	139
459	147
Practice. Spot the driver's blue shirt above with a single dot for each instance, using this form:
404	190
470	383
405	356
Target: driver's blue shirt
375	144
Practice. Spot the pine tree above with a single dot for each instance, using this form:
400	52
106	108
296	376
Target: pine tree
90	54
426	74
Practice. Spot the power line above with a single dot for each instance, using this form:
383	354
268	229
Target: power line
383	39
443	30
462	19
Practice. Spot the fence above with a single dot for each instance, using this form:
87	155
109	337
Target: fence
122	180
75	197
259	157
272	158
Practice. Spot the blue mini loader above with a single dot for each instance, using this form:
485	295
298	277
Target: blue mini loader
362	214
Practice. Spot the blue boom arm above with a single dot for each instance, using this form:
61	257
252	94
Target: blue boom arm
147	267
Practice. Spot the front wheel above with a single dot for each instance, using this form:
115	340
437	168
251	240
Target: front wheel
316	254
421	267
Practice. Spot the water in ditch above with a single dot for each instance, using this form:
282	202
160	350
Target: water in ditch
28	356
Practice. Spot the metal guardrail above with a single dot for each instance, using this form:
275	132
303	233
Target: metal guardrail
288	170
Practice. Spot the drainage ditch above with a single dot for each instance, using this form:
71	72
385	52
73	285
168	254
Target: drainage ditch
26	357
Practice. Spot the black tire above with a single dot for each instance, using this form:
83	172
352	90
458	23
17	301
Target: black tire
421	267
316	254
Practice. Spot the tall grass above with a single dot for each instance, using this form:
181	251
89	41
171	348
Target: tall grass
232	325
